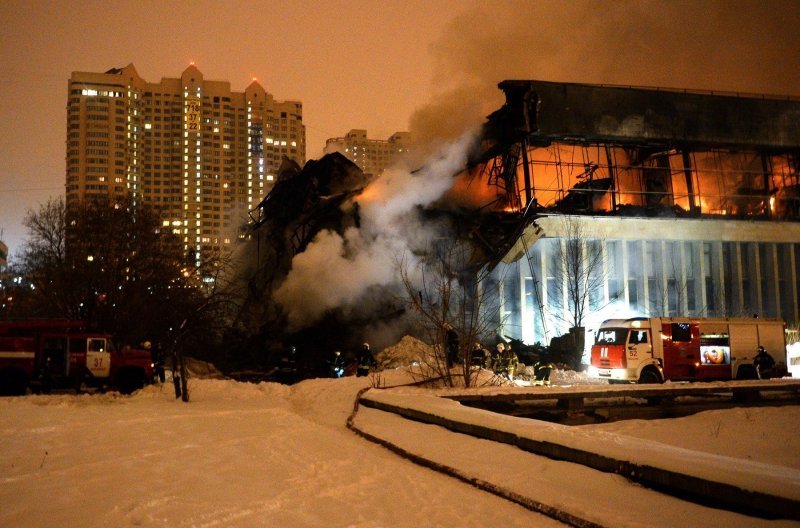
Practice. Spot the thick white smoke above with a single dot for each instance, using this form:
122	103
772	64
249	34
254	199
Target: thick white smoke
340	271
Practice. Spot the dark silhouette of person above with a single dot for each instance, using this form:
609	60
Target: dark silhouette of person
365	361
480	356
764	363
287	368
336	364
451	340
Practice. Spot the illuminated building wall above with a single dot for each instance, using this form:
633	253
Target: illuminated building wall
201	153
650	267
372	156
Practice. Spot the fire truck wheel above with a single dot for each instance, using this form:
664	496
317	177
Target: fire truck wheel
12	383
746	372
649	375
129	380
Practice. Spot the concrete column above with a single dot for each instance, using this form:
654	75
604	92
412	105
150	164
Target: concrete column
564	293
775	282
793	276
525	318
739	277
645	278
663	278
545	300
703	290
720	257
501	302
683	284
606	271
625	294
757	268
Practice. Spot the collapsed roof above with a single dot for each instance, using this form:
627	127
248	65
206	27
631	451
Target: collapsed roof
591	112
303	202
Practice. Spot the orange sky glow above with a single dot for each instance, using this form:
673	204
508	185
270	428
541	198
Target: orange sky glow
428	66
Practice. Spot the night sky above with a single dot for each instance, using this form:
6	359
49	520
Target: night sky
428	66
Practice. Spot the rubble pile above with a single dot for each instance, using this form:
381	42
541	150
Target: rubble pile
408	351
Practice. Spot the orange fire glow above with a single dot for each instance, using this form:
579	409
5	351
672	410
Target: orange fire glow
370	194
472	189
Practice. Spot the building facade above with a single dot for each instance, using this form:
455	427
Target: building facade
643	202
372	156
201	153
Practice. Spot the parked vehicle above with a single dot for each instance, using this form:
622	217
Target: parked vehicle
793	352
45	355
656	349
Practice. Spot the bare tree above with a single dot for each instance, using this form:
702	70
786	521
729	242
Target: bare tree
111	265
583	273
453	310
582	262
207	318
44	263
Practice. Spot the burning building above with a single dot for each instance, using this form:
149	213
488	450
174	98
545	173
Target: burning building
584	201
639	201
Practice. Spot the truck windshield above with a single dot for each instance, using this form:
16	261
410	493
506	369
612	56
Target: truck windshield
611	336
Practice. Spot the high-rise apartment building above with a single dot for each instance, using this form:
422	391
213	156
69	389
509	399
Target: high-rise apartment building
202	154
372	156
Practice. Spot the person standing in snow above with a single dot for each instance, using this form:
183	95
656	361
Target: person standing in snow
336	365
541	370
510	361
497	359
451	341
764	363
287	368
480	356
365	361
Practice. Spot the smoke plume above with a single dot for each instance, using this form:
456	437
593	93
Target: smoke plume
343	271
722	45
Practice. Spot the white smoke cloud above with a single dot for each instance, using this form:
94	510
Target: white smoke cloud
340	271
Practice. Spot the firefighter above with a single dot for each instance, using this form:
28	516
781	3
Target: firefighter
287	368
365	361
496	359
480	356
336	365
157	359
541	371
511	361
764	363
451	340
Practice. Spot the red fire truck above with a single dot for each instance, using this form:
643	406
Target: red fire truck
44	355
656	349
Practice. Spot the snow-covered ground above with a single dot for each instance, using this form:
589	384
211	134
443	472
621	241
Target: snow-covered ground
265	454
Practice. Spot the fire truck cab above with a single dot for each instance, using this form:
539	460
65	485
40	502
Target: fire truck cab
657	349
44	355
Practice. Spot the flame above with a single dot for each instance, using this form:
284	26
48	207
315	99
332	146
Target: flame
472	189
